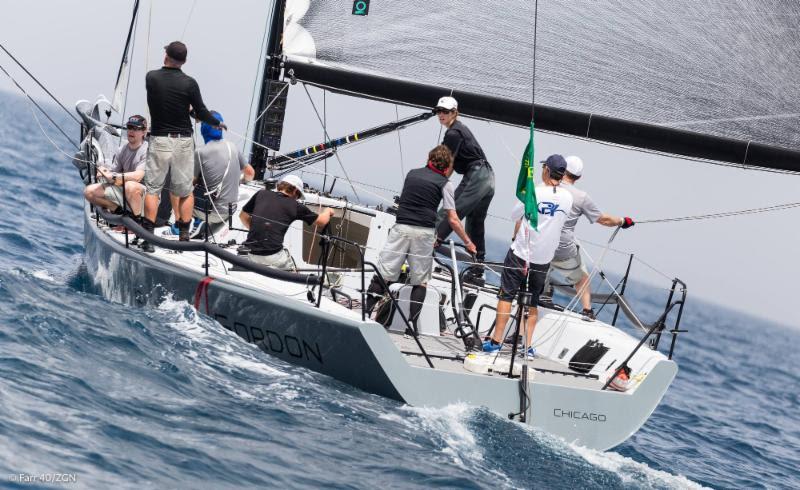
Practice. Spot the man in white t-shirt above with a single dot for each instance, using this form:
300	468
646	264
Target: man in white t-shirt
532	250
567	260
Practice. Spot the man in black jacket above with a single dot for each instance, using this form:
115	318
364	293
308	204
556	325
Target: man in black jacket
172	97
476	190
411	238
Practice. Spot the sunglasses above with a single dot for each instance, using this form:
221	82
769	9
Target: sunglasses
439	110
134	128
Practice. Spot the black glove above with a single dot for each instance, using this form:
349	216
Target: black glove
627	223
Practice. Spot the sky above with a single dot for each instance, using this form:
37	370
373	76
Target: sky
746	263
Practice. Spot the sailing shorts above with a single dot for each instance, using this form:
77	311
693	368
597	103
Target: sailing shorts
279	260
513	275
412	244
174	155
572	268
114	194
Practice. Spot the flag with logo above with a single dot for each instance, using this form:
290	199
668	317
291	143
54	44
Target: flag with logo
526	189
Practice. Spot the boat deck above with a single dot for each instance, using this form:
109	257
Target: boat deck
447	353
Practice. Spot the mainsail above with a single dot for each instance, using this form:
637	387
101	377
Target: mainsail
711	80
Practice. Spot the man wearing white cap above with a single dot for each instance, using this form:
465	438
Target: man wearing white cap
567	260
267	216
476	190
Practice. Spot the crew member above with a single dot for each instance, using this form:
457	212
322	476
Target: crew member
129	161
412	237
532	249
219	167
171	97
567	260
267	216
476	190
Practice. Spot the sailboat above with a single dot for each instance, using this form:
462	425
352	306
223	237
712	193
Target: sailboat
313	318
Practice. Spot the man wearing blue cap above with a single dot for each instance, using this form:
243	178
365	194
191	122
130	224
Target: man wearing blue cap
532	250
218	168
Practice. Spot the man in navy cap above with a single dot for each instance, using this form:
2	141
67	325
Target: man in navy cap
528	258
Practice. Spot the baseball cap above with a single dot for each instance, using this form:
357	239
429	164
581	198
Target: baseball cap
574	165
176	50
447	103
209	132
295	182
556	164
136	122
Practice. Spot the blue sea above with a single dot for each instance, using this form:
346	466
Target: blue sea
111	396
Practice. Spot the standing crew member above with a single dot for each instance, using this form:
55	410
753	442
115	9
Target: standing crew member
218	168
413	235
171	97
476	190
268	214
532	248
567	260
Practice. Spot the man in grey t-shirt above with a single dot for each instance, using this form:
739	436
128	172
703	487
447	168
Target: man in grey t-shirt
567	260
218	168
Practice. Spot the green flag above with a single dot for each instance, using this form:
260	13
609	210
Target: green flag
526	189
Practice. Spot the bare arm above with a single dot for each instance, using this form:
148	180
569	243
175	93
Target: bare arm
245	218
516	229
608	220
248	173
324	217
457	227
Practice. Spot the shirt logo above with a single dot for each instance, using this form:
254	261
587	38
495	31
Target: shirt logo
550	209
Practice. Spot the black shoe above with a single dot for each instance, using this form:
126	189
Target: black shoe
474	275
183	230
588	315
547	302
146	246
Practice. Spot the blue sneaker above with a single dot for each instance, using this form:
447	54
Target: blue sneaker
490	346
530	354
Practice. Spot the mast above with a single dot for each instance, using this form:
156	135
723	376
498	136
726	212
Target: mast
271	108
120	87
604	129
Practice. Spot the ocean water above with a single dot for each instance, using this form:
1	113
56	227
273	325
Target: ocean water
124	397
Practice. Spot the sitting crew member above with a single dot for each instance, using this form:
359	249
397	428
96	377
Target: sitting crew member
268	215
532	250
130	159
172	97
412	237
476	189
567	259
218	168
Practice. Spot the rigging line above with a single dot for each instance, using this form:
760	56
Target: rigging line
39	107
38	83
130	68
270	103
189	18
55	145
259	67
400	144
327	138
766	209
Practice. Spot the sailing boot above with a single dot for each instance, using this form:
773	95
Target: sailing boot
149	226
474	274
183	230
417	298
374	293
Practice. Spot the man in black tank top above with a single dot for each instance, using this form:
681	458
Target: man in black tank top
411	238
476	190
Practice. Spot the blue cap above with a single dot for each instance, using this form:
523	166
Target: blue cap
557	165
209	132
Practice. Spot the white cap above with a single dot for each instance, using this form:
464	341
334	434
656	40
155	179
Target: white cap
574	165
448	103
295	182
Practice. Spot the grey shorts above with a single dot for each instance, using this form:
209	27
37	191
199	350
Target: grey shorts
173	155
114	194
408	243
572	268
279	260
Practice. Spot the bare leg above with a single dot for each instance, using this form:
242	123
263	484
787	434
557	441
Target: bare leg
533	316
95	194
503	312
586	296
133	192
185	205
151	207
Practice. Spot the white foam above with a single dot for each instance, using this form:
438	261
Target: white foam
44	275
633	472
